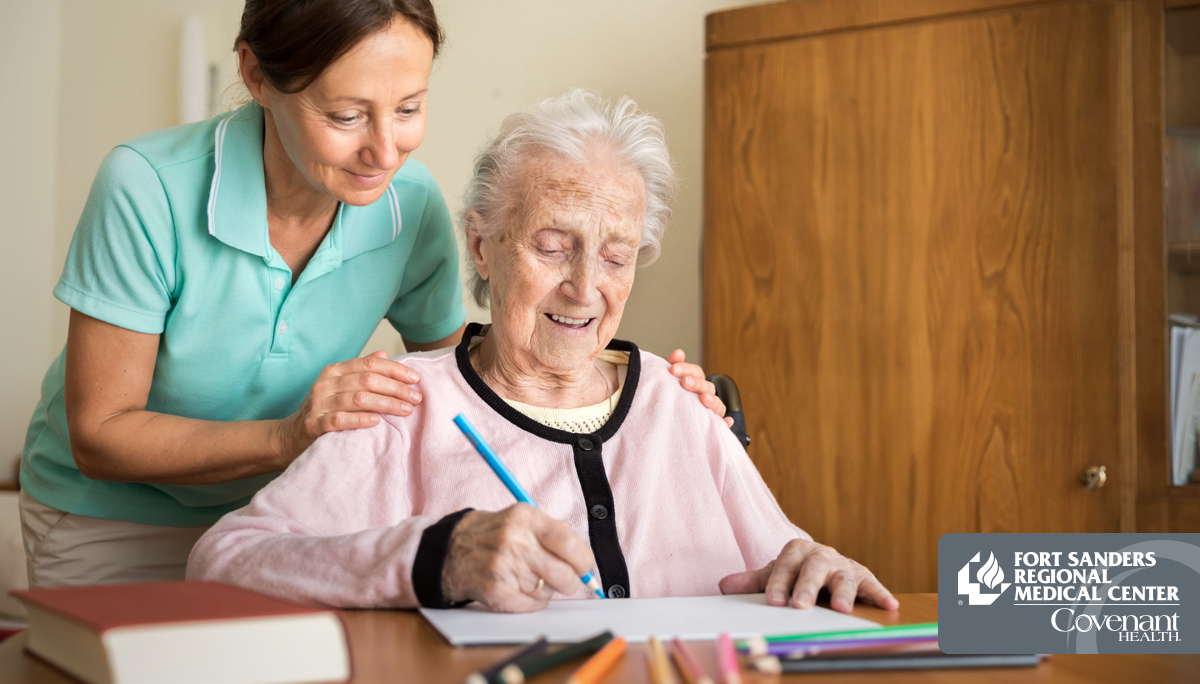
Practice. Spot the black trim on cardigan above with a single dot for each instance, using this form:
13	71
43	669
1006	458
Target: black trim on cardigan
602	519
431	559
589	463
528	424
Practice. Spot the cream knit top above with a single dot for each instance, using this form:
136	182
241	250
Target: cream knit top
581	420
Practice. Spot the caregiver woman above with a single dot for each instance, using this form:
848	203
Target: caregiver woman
221	275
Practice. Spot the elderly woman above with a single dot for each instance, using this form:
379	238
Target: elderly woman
635	479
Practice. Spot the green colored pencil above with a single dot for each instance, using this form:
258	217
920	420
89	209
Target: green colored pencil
893	630
757	646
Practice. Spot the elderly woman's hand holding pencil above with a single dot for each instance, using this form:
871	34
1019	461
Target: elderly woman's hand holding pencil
513	560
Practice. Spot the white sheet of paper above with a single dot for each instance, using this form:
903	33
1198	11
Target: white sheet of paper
690	618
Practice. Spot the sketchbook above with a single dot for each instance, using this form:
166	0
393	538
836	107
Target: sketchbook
689	618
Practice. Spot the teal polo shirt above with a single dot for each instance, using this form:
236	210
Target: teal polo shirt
173	241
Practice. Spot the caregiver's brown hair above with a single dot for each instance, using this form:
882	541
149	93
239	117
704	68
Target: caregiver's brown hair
295	40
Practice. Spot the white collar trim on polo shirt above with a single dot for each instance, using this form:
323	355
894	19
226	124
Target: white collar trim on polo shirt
394	202
216	180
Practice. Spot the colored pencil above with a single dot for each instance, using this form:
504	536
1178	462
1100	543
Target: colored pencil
921	662
598	665
890	630
688	666
509	481
896	651
660	667
727	660
490	675
518	672
791	647
774	665
758	645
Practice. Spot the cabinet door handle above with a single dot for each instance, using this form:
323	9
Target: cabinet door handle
1093	477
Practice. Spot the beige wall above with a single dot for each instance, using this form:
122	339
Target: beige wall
29	67
105	72
80	77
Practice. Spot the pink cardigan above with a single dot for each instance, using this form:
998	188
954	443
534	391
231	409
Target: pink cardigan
664	492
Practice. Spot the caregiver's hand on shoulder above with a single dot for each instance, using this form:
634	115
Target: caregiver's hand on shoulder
349	395
497	558
692	377
799	573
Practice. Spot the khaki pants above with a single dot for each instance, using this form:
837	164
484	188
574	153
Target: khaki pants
64	549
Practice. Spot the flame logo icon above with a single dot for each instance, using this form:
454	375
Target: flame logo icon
991	573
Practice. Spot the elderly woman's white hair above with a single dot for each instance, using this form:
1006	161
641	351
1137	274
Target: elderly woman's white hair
575	126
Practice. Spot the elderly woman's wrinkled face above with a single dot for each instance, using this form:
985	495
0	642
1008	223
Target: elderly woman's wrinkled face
562	267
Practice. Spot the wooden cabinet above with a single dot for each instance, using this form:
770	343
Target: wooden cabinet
935	263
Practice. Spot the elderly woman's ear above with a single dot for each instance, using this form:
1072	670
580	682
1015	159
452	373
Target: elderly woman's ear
474	225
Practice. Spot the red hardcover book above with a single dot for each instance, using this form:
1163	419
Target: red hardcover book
184	632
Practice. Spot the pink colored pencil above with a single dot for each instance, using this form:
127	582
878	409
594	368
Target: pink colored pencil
692	672
727	660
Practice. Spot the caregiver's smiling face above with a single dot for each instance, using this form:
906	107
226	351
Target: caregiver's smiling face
352	128
562	265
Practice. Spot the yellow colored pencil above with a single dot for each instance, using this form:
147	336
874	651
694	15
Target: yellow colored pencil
660	667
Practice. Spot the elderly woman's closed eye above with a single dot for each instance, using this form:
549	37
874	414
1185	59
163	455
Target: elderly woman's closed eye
636	482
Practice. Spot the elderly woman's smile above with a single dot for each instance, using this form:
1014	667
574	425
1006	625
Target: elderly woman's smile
560	267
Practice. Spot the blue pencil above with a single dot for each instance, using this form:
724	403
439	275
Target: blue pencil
511	482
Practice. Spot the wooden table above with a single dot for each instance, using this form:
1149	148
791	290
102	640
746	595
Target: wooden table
399	646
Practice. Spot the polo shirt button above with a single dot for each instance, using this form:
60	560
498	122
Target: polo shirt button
283	328
279	283
616	591
599	512
585	444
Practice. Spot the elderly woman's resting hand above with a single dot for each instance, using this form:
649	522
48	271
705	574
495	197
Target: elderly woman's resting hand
498	559
801	570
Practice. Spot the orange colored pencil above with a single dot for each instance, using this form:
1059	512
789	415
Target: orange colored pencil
599	664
